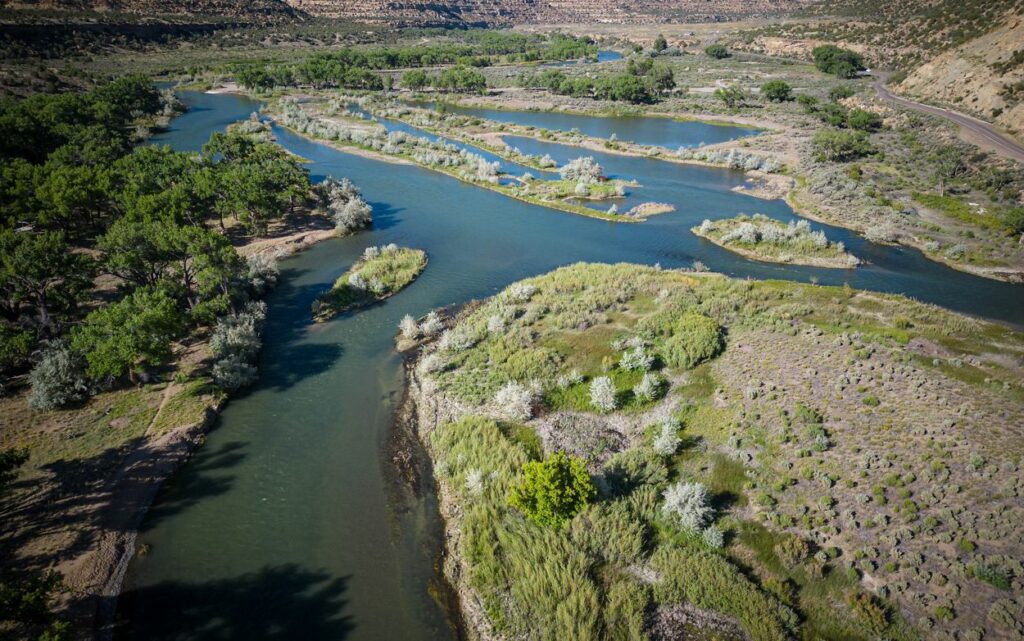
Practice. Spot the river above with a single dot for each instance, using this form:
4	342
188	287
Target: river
290	522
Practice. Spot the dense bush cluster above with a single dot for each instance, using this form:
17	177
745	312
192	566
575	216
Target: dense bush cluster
773	240
380	272
235	344
438	154
735	158
643	81
345	204
149	217
647	541
353	68
837	61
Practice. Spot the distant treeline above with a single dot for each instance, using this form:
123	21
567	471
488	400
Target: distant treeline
643	81
353	68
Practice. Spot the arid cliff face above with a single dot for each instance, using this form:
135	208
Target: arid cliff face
982	77
446	12
541	11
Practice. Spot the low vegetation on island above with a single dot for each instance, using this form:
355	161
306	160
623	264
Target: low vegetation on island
624	452
380	273
763	238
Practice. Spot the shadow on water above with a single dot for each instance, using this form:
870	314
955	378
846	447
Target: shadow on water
200	481
277	603
385	216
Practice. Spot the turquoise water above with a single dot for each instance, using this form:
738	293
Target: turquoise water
291	522
665	132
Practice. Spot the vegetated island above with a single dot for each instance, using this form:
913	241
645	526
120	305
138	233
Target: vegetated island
762	238
380	273
581	178
626	452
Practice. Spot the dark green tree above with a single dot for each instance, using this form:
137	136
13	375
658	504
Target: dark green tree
42	280
130	335
718	51
777	91
837	61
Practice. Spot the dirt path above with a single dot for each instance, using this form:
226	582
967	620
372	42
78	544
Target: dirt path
972	130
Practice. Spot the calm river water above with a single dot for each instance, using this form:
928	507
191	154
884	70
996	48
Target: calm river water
289	523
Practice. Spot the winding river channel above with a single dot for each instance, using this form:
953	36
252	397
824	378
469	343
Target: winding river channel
291	522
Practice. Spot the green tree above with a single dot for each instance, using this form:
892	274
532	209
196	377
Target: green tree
255	181
199	267
777	91
26	608
840	146
129	335
662	78
42	280
10	461
461	78
837	61
415	79
718	51
1014	220
950	164
552	491
73	198
660	44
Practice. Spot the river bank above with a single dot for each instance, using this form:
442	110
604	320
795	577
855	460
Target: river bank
765	501
79	506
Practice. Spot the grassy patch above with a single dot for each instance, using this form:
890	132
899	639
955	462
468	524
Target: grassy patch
382	272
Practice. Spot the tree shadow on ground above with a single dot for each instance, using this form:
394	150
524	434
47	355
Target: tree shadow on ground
78	500
277	603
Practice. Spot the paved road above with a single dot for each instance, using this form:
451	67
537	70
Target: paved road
980	132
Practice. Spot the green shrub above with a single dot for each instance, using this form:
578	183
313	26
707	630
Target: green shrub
792	550
552	491
863	120
777	91
840	146
695	338
869	610
993	575
717	51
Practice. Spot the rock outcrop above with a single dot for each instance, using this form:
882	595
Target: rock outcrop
985	77
444	12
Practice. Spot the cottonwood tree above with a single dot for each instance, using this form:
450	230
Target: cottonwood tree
42	280
129	335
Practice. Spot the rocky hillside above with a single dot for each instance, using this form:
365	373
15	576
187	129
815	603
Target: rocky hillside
445	12
984	76
274	10
532	11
